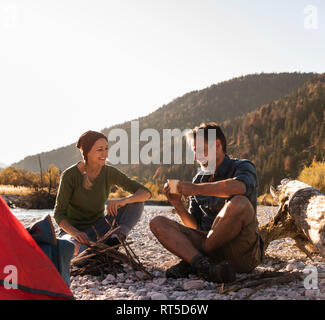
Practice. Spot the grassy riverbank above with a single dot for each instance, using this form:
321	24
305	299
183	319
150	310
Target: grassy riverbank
24	197
15	191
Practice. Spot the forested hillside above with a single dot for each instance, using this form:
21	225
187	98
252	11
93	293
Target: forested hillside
276	120
283	136
224	101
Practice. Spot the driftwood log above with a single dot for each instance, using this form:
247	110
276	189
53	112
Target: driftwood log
301	216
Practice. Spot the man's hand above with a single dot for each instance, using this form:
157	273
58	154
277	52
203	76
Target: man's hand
176	200
173	198
187	188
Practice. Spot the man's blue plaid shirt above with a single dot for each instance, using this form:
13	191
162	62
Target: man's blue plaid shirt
205	208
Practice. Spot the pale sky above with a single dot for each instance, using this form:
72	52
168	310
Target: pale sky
67	66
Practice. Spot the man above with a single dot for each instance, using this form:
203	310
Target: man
220	233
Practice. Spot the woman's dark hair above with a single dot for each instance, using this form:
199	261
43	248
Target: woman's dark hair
205	128
87	140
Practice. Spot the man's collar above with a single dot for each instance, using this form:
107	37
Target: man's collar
223	168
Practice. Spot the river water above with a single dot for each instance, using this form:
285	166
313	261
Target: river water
32	214
264	213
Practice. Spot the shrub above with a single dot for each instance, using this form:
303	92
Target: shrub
314	175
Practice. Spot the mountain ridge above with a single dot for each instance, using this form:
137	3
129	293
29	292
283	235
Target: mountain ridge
218	102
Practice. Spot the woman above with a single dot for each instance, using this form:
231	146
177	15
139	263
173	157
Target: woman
84	190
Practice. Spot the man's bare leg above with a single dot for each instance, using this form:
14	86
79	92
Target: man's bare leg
173	239
236	214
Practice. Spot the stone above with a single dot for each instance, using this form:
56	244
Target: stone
132	289
232	294
184	298
160	281
269	263
144	298
244	292
128	281
290	267
194	284
140	275
142	292
202	297
95	291
84	291
91	284
321	284
152	286
263	298
292	294
281	298
179	293
158	296
110	278
312	293
301	265
158	274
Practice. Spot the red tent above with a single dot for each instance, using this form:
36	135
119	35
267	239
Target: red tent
37	278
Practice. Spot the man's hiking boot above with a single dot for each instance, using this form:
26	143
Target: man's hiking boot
180	270
222	272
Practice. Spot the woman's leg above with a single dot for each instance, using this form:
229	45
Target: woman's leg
127	217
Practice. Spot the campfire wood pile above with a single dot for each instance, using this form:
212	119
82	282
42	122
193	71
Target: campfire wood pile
101	259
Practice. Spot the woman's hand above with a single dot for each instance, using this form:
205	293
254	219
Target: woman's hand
81	237
76	234
114	205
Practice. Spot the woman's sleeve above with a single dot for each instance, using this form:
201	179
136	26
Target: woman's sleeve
63	197
118	178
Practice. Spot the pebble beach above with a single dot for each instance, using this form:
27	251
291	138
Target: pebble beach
280	256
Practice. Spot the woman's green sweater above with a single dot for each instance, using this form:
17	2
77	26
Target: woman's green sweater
81	207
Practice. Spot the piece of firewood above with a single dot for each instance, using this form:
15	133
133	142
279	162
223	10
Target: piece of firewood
262	282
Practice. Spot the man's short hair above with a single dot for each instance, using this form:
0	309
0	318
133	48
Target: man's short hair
205	128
